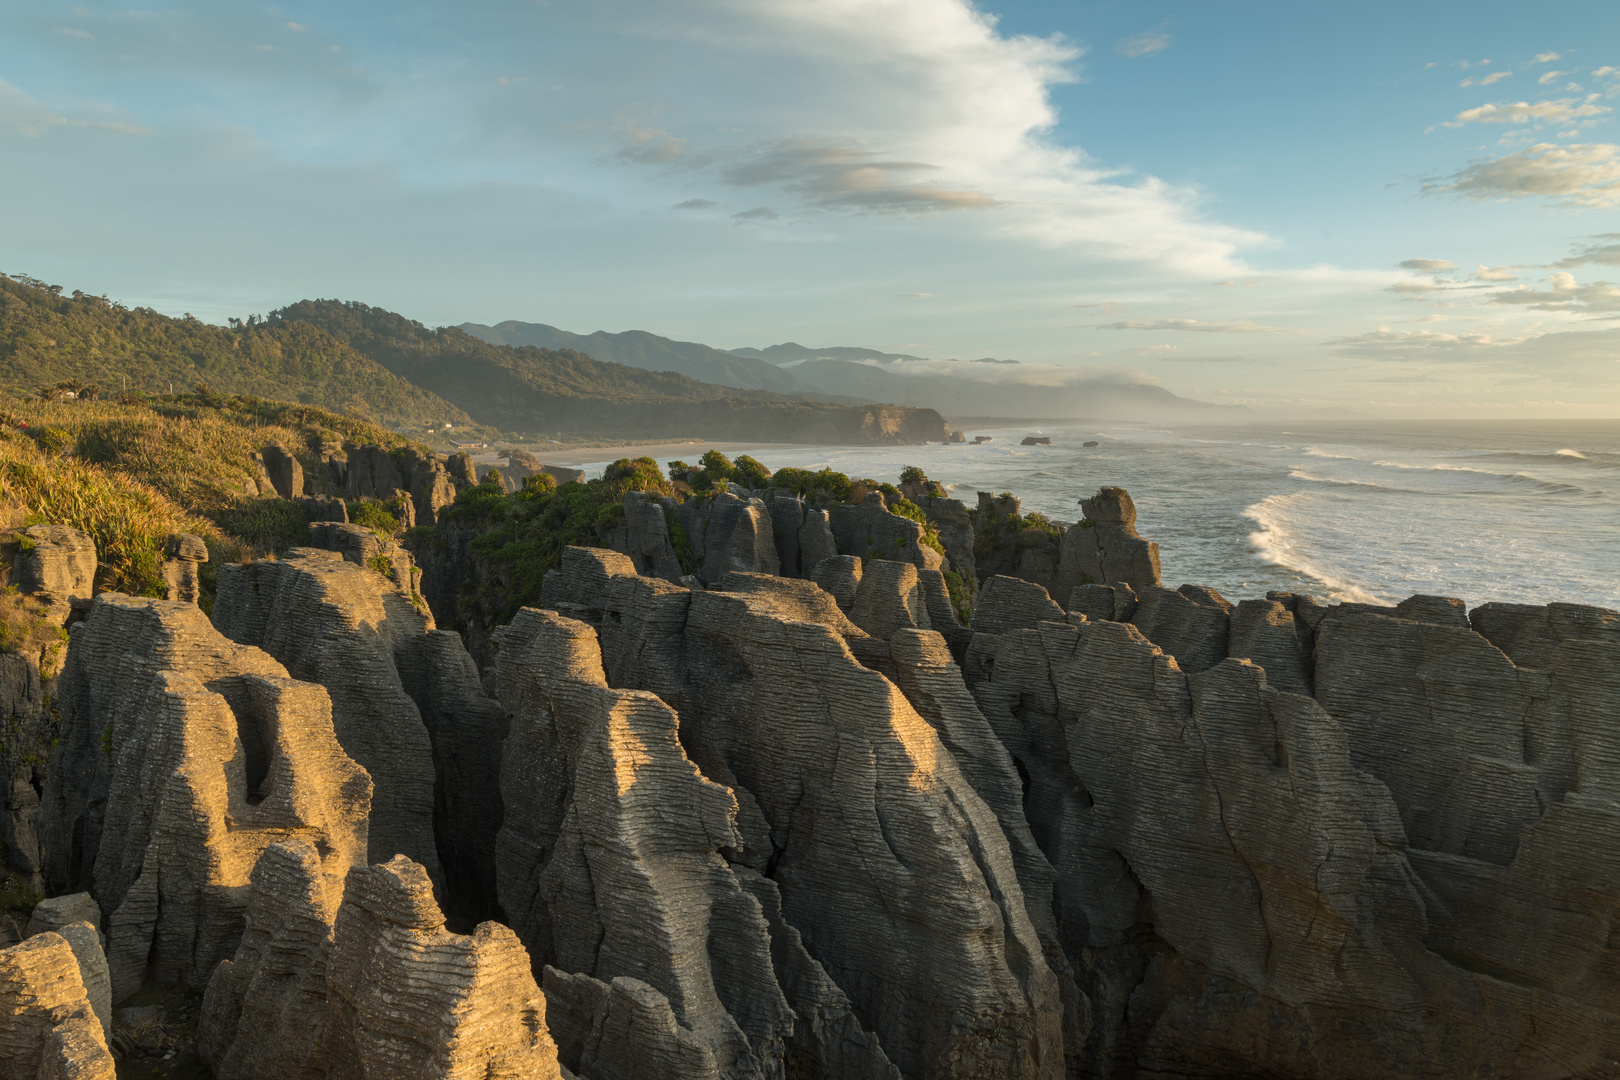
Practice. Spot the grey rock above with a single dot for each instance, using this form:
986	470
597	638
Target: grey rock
58	560
1105	549
1008	603
840	577
1190	624
182	756
285	473
868	530
1529	634
1108	603
1264	632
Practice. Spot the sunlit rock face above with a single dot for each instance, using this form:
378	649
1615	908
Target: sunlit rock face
183	755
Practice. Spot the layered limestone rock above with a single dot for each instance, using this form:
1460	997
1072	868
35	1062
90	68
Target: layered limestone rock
1529	634
48	1029
408	998
264	1012
182	570
607	821
1191	624
406	705
372	472
890	866
381	990
644	536
78	920
727	533
56	562
284	470
1233	878
182	757
1105	548
869	532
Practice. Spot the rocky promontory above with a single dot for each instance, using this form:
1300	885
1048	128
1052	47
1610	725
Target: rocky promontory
789	778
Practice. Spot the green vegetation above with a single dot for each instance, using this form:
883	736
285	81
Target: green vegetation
375	517
132	473
52	342
523	534
27	628
912	474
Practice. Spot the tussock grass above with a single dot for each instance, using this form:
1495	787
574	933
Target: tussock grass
130	474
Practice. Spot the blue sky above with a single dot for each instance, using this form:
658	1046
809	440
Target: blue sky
1219	198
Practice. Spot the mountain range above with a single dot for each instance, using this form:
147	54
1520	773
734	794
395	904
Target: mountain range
959	389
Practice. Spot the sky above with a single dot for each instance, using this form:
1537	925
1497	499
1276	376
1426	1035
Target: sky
1387	209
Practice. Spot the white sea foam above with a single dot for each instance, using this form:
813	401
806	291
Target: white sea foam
1275	545
1568	453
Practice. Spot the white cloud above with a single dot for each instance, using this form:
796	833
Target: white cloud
919	106
1192	324
1384	342
1493	77
1580	175
1605	72
22	115
75	32
297	28
1546	58
1553	76
1603	249
758	213
1144	44
1430	265
1559	111
1564	294
1493	273
695	204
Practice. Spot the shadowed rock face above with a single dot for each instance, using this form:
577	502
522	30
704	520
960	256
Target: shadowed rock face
890	867
406	704
1235	878
48	1030
182	757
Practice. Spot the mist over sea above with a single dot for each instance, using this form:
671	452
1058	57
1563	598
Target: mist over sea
1525	511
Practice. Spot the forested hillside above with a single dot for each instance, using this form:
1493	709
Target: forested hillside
46	338
563	392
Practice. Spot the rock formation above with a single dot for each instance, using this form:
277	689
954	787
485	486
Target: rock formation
182	757
182	575
406	705
48	1030
375	987
1105	548
851	806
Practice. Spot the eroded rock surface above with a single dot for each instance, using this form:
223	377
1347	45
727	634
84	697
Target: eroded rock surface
183	756
892	869
48	1030
343	626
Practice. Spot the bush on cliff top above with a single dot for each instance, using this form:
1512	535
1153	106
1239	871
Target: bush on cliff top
523	534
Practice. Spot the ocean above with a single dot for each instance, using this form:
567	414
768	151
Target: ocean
1370	511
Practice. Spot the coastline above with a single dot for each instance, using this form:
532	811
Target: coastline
579	457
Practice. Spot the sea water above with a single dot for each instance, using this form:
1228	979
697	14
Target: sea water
1367	511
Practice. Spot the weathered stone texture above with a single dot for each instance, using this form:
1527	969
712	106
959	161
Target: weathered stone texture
407	998
889	865
183	755
48	1030
337	624
608	821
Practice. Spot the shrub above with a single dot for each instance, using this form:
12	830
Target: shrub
750	473
911	474
265	523
716	466
374	516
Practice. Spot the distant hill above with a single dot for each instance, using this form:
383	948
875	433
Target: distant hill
986	387
639	349
563	391
46	338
